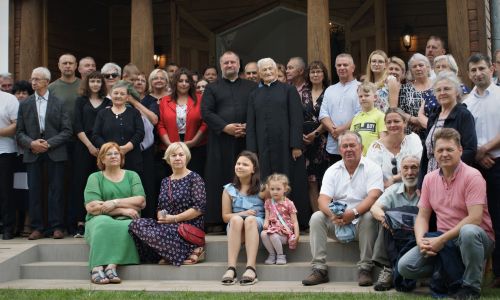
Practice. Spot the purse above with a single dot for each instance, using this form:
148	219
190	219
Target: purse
188	232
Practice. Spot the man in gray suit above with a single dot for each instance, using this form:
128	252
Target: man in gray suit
43	127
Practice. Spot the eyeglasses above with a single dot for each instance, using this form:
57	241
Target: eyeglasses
394	163
37	79
378	62
111	76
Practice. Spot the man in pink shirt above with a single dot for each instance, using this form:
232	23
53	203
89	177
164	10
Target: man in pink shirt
457	194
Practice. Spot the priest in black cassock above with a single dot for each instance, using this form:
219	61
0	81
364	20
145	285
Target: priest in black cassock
224	109
274	132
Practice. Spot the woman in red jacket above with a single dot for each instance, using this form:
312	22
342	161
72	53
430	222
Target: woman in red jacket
180	119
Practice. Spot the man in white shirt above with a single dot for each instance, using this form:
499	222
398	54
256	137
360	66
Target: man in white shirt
484	104
8	117
340	104
358	182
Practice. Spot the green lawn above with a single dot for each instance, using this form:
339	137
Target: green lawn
85	294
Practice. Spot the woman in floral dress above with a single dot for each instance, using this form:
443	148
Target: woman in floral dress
182	199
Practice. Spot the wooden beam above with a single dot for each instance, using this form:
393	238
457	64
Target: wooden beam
174	33
192	43
31	44
483	26
380	24
142	36
458	33
358	14
247	17
362	33
318	33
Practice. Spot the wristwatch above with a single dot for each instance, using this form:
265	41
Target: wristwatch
356	213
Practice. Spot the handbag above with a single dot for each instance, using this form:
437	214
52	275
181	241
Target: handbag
188	232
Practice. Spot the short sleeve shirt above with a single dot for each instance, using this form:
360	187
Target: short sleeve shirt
395	196
369	125
8	114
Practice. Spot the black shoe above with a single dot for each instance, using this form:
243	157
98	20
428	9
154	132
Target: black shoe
466	293
316	277
80	231
7	236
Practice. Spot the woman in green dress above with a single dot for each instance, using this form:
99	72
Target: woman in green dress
113	198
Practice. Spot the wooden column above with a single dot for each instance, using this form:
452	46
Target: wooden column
32	47
458	34
174	33
142	36
380	24
318	32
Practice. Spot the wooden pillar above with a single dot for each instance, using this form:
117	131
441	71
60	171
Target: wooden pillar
458	34
174	33
380	24
142	36
318	32
33	51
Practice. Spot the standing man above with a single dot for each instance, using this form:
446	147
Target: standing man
224	109
484	104
43	128
6	82
252	72
435	46
456	193
66	87
340	104
295	69
86	66
8	152
358	182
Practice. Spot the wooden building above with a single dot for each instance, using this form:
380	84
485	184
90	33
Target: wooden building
193	33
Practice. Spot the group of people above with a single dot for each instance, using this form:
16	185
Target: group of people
335	160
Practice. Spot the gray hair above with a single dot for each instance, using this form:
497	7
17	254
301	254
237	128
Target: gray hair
44	71
6	75
264	61
121	84
451	78
300	62
413	59
410	156
350	133
451	62
111	66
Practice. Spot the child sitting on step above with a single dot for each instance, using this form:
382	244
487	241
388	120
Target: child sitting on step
280	223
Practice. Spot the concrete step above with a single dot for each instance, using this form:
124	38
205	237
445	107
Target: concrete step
78	270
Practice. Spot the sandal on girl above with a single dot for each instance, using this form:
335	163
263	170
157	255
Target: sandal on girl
249	280
197	256
227	279
112	276
98	277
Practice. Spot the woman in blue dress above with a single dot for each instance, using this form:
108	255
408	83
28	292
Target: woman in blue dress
243	210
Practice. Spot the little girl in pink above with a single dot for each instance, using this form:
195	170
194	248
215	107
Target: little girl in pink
280	224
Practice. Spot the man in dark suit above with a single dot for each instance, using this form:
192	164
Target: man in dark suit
43	127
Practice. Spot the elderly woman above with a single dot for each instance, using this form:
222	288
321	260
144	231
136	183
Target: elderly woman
180	119
113	197
450	114
274	131
121	124
243	210
396	70
182	200
417	92
388	151
376	72
112	74
447	63
317	159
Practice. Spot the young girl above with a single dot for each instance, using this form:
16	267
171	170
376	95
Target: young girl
280	224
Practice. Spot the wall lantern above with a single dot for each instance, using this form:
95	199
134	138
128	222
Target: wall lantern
406	36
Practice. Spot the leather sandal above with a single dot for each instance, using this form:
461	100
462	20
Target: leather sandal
98	277
247	280
229	280
112	275
197	256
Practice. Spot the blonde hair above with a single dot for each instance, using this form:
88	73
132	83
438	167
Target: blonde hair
370	77
281	178
174	147
367	87
154	74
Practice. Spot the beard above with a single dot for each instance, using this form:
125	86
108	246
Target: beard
409	182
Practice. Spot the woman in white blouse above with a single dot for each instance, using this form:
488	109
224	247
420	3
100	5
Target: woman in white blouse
388	151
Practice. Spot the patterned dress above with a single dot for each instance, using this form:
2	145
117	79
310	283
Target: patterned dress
286	208
409	101
317	159
155	241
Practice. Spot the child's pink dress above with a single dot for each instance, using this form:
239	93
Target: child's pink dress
285	208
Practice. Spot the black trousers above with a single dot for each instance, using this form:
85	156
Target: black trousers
6	191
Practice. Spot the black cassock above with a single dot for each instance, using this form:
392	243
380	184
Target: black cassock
274	127
223	102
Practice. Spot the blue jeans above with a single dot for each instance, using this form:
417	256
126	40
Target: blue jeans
475	246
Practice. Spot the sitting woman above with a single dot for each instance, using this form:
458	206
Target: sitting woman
182	200
243	210
113	197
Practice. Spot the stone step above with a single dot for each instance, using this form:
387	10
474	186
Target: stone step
78	270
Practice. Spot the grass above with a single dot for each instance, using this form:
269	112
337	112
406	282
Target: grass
86	294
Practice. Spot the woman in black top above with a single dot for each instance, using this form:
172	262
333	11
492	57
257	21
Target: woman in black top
92	100
123	125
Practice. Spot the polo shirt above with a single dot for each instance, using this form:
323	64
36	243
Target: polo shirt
369	125
395	196
339	185
450	201
340	104
485	110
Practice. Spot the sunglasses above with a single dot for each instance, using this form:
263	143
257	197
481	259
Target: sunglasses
111	76
394	163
